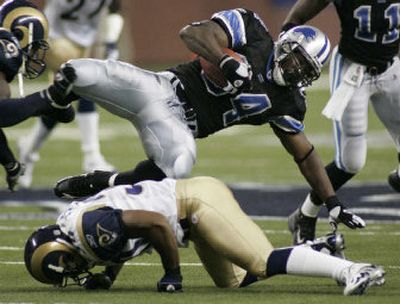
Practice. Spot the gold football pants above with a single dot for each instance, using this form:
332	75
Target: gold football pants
227	241
62	50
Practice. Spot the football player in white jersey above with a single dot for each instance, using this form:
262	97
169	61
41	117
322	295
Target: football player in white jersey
123	222
74	28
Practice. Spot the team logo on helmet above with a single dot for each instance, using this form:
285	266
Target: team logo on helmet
308	32
51	259
29	25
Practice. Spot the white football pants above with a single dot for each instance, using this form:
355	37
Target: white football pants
350	132
148	100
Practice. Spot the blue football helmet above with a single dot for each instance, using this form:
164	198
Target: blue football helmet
10	54
51	259
29	25
299	55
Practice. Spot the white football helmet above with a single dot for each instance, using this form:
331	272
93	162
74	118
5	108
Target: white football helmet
300	54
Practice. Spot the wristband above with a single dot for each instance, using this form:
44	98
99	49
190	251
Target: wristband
332	202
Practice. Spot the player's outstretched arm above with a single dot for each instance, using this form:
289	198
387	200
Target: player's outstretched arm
303	11
155	228
311	167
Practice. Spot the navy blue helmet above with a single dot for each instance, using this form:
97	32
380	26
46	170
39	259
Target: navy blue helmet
51	259
10	54
29	25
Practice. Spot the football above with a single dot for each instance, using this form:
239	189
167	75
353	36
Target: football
213	72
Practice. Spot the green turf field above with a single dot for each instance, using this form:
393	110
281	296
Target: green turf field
240	154
137	280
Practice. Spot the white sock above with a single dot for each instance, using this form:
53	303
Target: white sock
35	139
308	262
89	131
309	208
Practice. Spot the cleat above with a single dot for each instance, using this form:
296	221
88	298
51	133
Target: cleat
394	180
83	185
359	277
302	227
332	244
96	163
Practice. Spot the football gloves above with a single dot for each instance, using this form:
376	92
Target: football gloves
237	73
339	214
171	281
60	91
13	170
98	281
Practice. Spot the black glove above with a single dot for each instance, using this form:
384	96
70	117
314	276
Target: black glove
14	170
98	281
111	51
171	281
237	73
339	214
60	91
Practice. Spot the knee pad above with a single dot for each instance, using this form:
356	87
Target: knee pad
183	165
87	71
352	155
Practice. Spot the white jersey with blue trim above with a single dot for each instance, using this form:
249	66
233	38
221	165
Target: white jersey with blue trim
77	20
147	195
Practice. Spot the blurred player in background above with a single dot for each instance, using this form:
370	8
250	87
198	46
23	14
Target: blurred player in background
169	109
74	27
364	66
123	222
23	46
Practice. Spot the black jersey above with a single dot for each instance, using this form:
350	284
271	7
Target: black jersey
265	102
370	30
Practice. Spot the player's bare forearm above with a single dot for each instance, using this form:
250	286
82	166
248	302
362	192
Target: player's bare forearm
206	39
308	161
155	228
304	10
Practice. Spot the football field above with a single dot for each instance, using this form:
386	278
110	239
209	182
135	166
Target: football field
247	157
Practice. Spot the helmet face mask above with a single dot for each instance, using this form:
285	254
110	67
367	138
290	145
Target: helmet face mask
51	259
299	56
35	59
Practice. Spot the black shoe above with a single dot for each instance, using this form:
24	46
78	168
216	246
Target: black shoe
394	180
79	186
64	115
302	227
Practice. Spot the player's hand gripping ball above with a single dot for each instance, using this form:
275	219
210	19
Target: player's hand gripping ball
233	72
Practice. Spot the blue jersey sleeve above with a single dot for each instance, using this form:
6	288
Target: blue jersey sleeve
233	24
287	124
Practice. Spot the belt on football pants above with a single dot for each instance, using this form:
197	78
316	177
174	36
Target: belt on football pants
374	70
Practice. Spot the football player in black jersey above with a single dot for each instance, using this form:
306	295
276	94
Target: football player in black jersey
266	90
23	30
364	66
